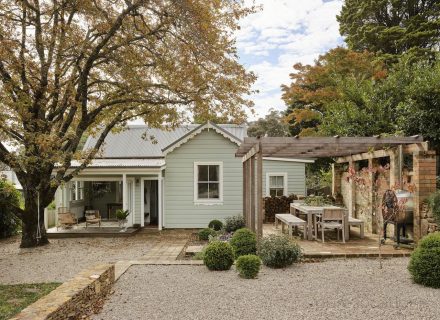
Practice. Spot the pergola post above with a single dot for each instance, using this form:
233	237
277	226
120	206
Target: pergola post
260	209
372	212
252	193
352	193
424	168
245	190
336	179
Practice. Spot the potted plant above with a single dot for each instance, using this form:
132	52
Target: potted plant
122	215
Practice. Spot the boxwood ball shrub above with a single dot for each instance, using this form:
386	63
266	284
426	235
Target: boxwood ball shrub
205	233
217	225
244	241
218	256
278	251
424	265
248	266
234	223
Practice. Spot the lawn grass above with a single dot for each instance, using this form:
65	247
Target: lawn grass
16	297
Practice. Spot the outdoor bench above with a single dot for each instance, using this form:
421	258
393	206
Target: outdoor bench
290	221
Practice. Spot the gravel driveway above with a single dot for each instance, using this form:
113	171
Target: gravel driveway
334	289
62	259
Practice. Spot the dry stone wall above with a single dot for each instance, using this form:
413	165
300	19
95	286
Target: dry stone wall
74	298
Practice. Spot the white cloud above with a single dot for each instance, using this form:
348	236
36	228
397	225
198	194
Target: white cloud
285	32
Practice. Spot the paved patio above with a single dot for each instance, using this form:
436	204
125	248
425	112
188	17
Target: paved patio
107	229
355	247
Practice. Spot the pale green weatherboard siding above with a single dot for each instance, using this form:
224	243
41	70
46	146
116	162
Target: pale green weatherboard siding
180	210
296	181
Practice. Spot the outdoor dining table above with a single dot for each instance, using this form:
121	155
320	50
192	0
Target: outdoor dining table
312	212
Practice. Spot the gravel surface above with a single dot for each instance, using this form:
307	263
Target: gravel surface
62	259
333	289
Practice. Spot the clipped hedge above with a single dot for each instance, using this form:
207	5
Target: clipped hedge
424	265
274	205
244	242
234	223
248	266
278	251
205	233
218	256
217	225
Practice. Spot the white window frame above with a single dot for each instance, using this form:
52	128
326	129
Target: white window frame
79	190
276	174
196	180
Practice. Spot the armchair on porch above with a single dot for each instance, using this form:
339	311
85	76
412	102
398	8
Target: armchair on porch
93	217
66	219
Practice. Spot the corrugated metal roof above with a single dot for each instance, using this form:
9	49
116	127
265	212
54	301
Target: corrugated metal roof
140	141
126	163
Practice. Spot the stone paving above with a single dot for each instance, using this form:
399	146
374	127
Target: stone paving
355	247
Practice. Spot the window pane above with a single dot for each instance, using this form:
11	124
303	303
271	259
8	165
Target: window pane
272	181
276	192
203	173
213	173
280	181
203	191
214	191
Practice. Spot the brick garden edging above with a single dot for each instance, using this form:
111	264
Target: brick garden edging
73	298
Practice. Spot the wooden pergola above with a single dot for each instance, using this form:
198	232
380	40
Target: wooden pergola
252	151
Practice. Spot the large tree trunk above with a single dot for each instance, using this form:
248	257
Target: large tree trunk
33	230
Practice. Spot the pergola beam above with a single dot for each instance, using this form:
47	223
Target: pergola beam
252	152
411	148
322	146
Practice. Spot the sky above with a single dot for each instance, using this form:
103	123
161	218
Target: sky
283	33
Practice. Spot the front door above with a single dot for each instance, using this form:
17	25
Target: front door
151	204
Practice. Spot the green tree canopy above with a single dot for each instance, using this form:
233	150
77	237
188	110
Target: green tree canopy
391	27
72	68
336	79
273	124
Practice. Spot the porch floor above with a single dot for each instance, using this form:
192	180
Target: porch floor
107	229
355	247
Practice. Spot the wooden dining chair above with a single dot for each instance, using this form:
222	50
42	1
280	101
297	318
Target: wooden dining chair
332	219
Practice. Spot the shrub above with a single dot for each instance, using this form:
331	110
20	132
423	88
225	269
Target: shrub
218	256
217	225
9	197
199	255
244	241
205	233
248	266
424	265
434	205
278	251
234	223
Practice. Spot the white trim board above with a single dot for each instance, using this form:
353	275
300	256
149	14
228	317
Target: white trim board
289	160
277	174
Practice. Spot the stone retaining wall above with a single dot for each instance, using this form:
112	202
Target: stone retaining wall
74	298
